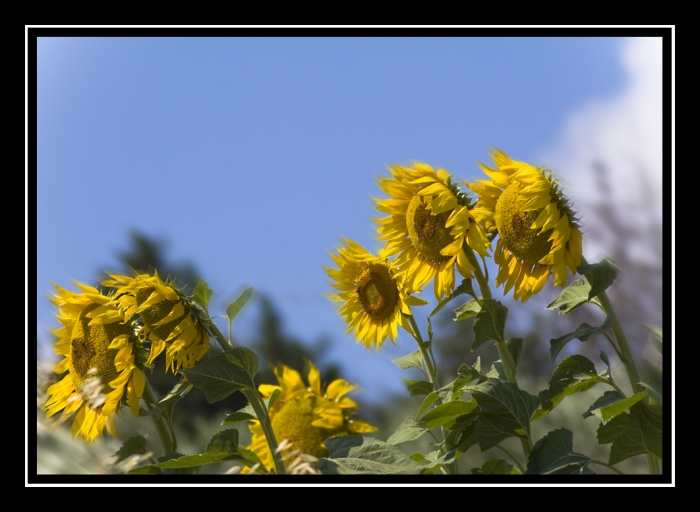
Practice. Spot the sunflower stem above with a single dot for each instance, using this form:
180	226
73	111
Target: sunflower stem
169	444
512	457
219	336
426	357
507	360
264	418
601	463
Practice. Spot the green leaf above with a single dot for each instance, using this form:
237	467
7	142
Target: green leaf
145	470
489	323
418	387
427	402
564	383
583	333
273	398
571	297
607	374
515	347
446	414
188	470
245	358
505	411
467	310
238	417
202	294
657	336
409	430
496	467
233	309
465	287
643	434
497	371
611	404
135	445
608	432
166	405
222	446
554	455
359	454
469	372
412	360
218	377
601	275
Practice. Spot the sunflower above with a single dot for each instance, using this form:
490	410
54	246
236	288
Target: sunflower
374	297
430	221
170	320
305	416
99	355
538	232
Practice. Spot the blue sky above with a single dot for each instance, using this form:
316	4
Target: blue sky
250	157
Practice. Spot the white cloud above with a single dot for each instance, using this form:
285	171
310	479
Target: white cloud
624	133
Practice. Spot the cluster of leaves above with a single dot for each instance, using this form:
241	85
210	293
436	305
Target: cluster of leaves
483	409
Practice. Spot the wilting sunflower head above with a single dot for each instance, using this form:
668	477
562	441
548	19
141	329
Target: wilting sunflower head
429	222
171	321
537	229
373	297
305	416
98	349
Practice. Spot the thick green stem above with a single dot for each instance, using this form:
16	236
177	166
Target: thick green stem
261	412
625	355
503	352
426	357
164	433
219	336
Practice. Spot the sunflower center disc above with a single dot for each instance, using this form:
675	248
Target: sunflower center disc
427	231
529	245
377	291
155	313
293	423
89	350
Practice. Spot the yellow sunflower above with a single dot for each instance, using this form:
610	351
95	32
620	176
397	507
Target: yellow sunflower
305	416
99	354
429	221
169	318
537	229
373	296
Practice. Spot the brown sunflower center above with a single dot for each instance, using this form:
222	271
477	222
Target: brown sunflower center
155	313
529	245
293	423
427	231
90	355
377	291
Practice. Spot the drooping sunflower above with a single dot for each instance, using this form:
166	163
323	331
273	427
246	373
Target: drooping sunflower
537	229
429	222
373	296
98	350
170	320
305	416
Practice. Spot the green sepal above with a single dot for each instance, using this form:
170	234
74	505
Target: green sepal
582	333
355	454
600	275
238	417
